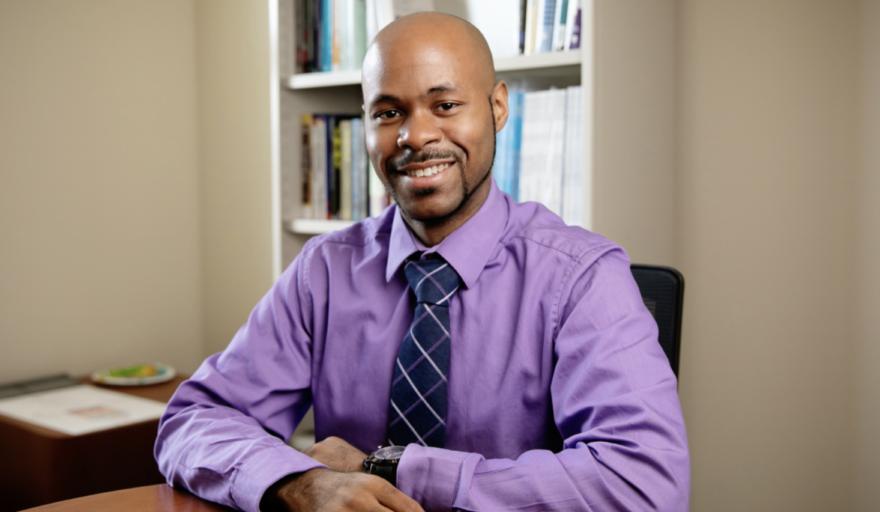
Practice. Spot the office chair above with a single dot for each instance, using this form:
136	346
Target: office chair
662	290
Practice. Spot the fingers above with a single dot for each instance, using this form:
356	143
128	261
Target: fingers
394	499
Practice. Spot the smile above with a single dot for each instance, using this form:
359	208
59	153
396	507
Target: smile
427	171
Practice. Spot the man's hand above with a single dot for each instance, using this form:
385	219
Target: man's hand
338	455
325	489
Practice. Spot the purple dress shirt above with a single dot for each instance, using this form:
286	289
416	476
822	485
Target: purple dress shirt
560	397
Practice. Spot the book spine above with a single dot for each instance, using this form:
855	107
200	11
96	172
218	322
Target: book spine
360	32
325	48
345	170
333	160
572	181
306	203
576	31
359	170
531	26
560	24
319	166
569	23
516	142
545	26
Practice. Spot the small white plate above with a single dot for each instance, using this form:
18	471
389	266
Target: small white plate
164	373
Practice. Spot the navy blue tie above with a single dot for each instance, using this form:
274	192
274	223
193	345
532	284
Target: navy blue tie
417	412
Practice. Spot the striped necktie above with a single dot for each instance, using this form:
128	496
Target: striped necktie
417	412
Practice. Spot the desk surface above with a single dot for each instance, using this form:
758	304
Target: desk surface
152	497
160	392
40	465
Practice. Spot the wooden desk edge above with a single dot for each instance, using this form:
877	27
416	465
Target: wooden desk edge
150	497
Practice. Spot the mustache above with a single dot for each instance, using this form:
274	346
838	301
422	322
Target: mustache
415	157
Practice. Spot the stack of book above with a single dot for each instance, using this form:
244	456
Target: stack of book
549	25
332	35
336	178
538	154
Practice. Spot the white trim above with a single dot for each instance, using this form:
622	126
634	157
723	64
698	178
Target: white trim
422	398
275	137
408	424
422	350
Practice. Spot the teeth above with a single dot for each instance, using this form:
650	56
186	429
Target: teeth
428	171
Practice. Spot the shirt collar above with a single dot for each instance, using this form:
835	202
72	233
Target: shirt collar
467	249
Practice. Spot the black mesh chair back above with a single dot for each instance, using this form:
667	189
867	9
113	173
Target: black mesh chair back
663	292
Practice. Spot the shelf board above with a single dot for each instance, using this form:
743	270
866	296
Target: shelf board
536	61
324	79
316	226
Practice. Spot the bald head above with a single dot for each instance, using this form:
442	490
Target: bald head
432	109
429	32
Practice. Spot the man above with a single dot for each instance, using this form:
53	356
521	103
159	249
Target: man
509	354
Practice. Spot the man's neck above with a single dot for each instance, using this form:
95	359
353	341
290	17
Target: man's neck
431	233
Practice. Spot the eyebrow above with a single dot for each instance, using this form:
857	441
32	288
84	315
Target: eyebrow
436	89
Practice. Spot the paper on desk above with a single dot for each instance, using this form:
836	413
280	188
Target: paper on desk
81	409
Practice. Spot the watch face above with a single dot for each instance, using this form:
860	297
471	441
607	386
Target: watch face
389	452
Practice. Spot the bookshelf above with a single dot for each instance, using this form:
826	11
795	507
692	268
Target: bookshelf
627	68
339	92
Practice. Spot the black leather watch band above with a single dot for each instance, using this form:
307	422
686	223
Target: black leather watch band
385	469
383	463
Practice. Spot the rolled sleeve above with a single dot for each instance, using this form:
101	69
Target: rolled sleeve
435	477
262	469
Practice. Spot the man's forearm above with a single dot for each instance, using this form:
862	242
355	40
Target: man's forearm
603	476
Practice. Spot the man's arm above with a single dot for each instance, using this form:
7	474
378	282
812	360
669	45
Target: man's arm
223	434
615	404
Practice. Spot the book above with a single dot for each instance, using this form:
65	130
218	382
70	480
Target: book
507	148
541	156
333	167
345	170
359	170
573	178
318	152
559	24
544	36
571	23
531	26
576	31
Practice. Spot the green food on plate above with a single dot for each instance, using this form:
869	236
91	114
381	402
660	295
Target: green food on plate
138	370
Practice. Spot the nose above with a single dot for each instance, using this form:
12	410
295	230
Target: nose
419	130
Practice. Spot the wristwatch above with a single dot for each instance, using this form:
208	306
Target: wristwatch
383	462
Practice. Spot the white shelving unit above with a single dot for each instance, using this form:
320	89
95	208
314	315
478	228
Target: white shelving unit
504	66
339	92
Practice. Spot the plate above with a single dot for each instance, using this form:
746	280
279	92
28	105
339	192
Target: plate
135	375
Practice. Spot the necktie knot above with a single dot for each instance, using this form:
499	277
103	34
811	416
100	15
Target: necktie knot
432	279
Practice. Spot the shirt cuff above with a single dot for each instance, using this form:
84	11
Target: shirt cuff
262	469
435	477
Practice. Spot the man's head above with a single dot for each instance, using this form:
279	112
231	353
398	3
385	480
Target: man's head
432	108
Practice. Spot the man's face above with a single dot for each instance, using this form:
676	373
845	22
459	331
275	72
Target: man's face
430	129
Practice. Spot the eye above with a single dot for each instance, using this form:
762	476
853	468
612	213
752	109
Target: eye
447	106
387	114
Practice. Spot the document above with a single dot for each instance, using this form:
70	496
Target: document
81	409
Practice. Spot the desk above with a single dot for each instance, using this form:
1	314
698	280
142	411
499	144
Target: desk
150	498
38	465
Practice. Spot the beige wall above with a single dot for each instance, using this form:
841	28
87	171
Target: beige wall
234	145
769	139
98	185
634	174
867	468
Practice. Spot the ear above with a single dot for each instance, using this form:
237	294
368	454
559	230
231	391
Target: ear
500	108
